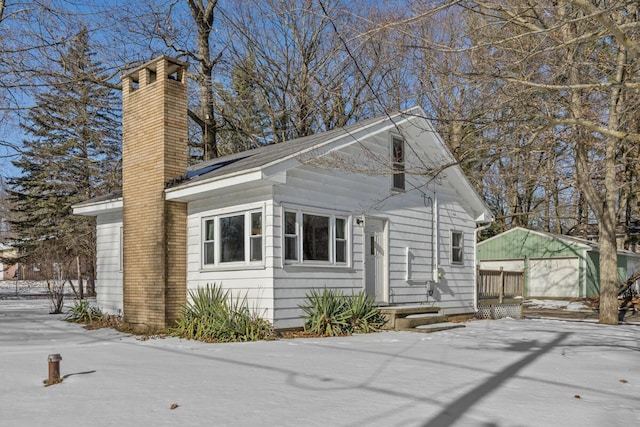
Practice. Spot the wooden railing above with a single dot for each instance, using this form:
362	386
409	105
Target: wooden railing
500	284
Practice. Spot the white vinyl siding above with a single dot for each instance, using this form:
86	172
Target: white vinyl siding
409	219
109	263
251	279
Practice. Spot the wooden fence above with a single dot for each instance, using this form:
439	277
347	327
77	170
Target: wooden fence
496	286
35	273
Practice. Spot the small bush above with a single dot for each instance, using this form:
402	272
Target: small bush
331	313
55	292
84	312
212	314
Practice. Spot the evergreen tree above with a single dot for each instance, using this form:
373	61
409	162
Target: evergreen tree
71	154
243	110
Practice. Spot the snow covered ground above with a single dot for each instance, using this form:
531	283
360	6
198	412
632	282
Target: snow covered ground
490	373
557	304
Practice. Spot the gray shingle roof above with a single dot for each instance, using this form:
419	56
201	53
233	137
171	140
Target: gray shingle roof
257	157
262	156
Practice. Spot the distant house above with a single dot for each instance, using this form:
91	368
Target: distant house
354	208
554	265
7	269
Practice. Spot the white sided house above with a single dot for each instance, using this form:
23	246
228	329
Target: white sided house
379	206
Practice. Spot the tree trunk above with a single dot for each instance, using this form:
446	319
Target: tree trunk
91	278
79	275
608	270
607	240
202	13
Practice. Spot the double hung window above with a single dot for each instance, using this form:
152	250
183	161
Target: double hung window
457	248
233	238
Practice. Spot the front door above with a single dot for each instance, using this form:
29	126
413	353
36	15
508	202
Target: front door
374	260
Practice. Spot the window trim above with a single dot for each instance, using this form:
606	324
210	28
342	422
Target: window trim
457	248
299	238
217	240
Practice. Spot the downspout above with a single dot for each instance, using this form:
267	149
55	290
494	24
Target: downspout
475	263
435	255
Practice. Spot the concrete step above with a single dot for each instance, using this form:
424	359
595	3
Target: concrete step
407	311
396	313
414	321
437	327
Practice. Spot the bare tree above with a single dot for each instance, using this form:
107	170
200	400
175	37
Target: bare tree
187	30
578	62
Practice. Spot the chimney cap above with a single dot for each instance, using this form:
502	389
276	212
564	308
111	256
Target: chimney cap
173	65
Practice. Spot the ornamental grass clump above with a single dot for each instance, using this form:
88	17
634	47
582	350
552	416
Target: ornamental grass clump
331	313
212	314
326	313
364	316
84	312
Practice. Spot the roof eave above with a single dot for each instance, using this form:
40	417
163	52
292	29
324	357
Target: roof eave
98	208
195	190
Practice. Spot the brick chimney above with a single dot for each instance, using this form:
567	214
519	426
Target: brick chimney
154	112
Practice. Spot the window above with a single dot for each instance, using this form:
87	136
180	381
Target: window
456	247
232	239
341	240
256	237
315	238
209	242
290	236
397	147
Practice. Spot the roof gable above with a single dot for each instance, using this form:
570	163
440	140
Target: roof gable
270	155
518	243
